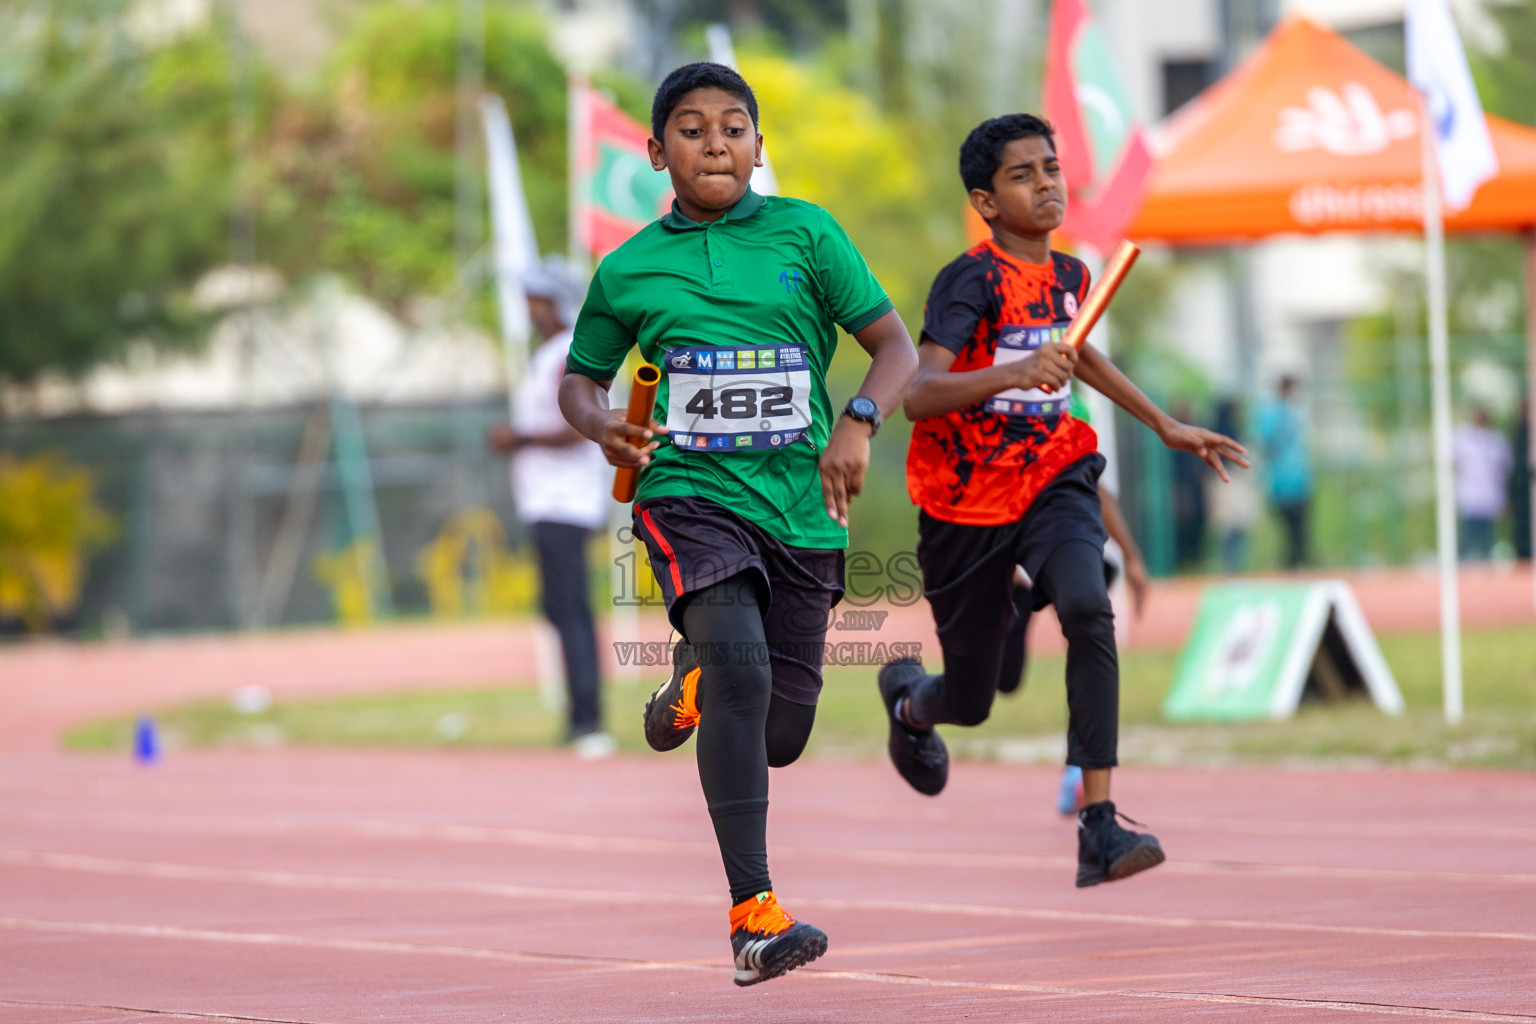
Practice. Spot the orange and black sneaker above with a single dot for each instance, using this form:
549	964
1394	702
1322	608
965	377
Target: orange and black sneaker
672	713
768	942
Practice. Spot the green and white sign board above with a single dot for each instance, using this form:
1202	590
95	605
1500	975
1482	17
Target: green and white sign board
1258	647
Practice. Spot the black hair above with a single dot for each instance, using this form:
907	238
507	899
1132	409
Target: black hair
702	75
982	150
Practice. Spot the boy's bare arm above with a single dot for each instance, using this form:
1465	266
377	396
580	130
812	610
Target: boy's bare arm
1095	370
584	403
1135	569
936	391
846	459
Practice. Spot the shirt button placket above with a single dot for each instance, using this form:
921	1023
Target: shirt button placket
714	257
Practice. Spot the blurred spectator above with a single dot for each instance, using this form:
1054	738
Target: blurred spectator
1282	428
1483	463
1234	507
1520	481
560	484
1188	500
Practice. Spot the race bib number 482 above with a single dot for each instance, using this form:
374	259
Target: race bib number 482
1013	344
749	398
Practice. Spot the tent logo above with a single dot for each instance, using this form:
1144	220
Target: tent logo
1345	123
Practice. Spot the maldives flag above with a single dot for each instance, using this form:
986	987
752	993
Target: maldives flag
614	191
1103	154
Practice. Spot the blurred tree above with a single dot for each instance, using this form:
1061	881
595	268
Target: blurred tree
359	178
1506	77
114	181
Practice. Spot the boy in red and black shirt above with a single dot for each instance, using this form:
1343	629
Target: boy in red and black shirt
1006	476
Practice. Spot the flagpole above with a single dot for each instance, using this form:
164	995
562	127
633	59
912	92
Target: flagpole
1440	384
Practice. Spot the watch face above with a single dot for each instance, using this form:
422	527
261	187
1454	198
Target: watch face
864	406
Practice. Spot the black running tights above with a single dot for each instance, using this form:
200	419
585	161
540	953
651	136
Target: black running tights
1072	579
743	726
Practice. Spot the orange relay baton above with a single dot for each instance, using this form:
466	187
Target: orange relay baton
1098	297
642	398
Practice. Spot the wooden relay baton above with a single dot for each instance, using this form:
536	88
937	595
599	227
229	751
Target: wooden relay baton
1098	297
642	398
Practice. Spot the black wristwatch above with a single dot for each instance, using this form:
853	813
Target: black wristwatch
865	411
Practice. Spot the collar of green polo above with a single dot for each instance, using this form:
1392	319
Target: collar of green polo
745	207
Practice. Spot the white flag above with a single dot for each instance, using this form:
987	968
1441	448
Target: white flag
764	181
1437	67
512	230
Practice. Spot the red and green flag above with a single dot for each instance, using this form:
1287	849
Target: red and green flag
1103	153
614	190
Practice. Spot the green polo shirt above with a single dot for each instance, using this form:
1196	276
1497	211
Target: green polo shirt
766	285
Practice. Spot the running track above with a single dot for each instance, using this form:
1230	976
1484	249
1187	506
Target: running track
349	887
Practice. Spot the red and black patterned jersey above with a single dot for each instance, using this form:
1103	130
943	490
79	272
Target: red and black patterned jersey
984	464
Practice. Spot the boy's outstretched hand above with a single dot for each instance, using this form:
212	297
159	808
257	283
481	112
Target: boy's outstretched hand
1210	446
625	444
843	465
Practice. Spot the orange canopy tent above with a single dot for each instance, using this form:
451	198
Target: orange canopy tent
1311	135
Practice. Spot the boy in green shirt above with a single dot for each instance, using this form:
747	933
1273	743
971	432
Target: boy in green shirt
747	472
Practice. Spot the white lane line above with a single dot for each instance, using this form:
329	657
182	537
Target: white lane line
636	846
616	964
1272	1002
146	931
166	1014
297	880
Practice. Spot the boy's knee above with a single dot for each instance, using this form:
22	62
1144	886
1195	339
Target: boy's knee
973	711
973	716
781	754
1085	611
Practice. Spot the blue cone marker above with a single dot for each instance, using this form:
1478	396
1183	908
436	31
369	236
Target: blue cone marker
146	741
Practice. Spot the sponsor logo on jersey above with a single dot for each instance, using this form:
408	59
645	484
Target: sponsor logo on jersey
681	361
743	440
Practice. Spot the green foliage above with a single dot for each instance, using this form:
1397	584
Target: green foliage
1506	78
379	207
114	183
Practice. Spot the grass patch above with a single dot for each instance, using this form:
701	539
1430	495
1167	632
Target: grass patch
1499	731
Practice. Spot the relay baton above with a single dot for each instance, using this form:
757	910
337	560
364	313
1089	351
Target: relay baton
642	398
1098	297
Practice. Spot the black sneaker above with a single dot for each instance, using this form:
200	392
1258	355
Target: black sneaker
672	713
767	942
918	754
1106	852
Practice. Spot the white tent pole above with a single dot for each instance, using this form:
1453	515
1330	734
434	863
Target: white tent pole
1440	385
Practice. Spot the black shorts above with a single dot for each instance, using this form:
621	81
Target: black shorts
968	570
695	543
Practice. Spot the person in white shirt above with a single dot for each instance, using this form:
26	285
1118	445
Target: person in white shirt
560	485
1483	462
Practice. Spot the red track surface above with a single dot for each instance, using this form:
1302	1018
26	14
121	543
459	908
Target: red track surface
329	887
